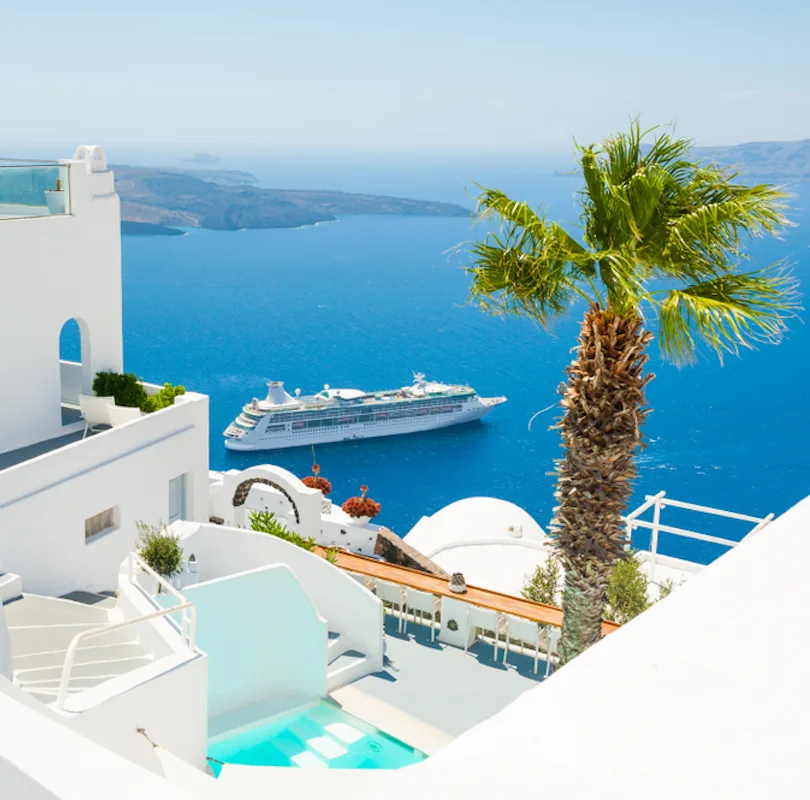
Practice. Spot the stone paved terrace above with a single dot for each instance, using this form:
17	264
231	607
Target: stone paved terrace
442	685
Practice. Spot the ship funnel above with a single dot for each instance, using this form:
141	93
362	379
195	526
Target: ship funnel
276	395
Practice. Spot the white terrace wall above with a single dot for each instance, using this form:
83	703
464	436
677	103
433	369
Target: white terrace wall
348	608
41	759
55	269
263	637
332	528
307	501
44	502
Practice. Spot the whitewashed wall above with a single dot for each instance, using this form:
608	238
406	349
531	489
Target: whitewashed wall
348	608
44	502
55	269
333	528
263	637
43	759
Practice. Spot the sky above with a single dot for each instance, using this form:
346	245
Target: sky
397	76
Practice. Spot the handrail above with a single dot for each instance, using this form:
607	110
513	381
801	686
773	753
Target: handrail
718	512
100	631
659	501
134	559
475	595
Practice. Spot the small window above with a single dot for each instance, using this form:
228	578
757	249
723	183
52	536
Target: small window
177	498
100	523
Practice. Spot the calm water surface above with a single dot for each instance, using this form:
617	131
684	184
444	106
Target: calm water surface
367	300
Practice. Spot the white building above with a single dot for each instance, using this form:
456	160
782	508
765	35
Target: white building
259	645
68	505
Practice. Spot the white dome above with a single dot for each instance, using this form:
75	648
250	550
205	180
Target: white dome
494	543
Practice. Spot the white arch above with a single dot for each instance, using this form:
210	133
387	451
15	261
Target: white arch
93	156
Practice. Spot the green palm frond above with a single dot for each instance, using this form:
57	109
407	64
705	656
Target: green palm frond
648	213
728	312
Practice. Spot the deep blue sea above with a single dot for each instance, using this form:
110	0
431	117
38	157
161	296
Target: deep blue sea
365	301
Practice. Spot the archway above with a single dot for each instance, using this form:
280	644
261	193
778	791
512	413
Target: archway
75	377
243	489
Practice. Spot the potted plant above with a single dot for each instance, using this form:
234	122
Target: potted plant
160	550
362	508
315	481
55	199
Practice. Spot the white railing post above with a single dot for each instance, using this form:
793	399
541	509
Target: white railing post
654	536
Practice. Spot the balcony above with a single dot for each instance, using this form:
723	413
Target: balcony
33	189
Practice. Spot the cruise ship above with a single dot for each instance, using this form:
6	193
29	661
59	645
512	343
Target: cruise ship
335	415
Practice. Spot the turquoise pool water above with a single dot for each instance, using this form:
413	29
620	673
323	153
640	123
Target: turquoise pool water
319	736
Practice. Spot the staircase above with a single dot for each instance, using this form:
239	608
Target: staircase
41	629
344	664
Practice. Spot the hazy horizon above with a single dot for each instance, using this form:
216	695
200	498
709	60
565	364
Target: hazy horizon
361	77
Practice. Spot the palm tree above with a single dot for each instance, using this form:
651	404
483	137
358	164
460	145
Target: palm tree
661	233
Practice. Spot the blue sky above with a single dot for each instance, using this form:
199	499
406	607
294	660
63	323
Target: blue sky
395	75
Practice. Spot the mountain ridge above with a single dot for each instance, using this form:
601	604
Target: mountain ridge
158	200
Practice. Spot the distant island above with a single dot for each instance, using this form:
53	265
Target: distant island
202	158
775	161
158	201
780	160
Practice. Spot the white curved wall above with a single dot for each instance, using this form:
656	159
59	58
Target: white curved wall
477	537
347	607
263	637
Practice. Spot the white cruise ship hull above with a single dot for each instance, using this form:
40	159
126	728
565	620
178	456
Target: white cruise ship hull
277	440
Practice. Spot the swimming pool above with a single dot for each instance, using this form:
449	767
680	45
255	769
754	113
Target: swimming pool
319	736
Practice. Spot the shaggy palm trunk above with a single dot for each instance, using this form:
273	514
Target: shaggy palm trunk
604	407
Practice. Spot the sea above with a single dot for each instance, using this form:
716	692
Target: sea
366	301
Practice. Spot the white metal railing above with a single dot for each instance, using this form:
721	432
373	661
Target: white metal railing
70	657
187	629
188	618
658	502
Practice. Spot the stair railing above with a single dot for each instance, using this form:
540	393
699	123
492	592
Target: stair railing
70	657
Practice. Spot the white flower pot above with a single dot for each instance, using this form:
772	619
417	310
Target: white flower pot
55	200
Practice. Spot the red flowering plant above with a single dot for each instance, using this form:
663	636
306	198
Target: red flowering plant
315	481
362	506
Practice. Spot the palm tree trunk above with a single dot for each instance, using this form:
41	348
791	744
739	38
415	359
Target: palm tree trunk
603	410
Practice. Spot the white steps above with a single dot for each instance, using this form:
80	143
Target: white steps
41	630
344	664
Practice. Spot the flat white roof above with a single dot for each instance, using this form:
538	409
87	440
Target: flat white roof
705	695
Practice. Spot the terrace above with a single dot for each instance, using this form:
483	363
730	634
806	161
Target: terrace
72	422
34	189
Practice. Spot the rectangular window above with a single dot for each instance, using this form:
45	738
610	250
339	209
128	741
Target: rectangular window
177	498
101	523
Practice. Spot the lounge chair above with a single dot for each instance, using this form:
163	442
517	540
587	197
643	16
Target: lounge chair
95	411
120	415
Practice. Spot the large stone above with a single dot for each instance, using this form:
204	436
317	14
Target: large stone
395	550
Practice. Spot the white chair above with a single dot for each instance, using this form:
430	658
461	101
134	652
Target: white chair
95	411
527	632
120	415
363	580
393	594
552	640
424	603
484	619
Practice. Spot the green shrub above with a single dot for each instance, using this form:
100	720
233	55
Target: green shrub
665	589
165	397
159	549
541	586
125	388
128	390
266	522
627	591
